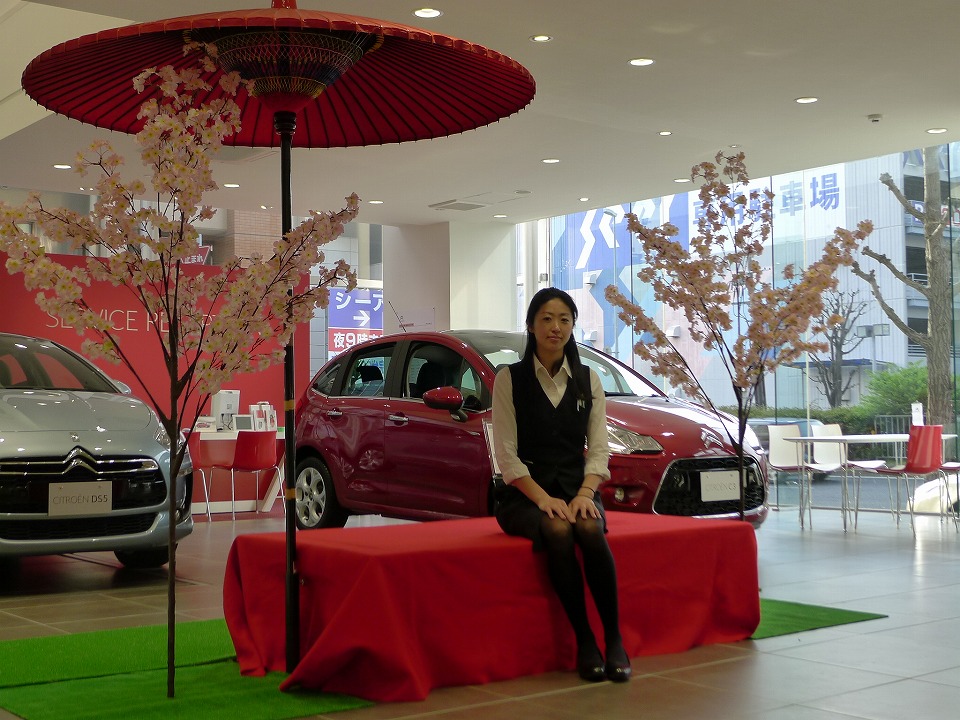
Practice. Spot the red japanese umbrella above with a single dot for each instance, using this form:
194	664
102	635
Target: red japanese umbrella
320	80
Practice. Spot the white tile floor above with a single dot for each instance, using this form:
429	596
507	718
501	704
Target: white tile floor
904	666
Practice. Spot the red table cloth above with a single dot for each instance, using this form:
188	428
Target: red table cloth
388	613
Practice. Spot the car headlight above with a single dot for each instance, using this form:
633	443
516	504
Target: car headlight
627	442
750	438
161	434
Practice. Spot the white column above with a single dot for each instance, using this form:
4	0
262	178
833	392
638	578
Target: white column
416	277
483	276
450	275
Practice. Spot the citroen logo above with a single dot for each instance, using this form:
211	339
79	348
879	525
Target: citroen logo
710	437
80	458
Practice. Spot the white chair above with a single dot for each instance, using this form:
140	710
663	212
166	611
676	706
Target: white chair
786	456
828	458
855	466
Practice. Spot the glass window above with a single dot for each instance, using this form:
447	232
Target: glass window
368	371
11	373
325	382
59	376
27	363
432	366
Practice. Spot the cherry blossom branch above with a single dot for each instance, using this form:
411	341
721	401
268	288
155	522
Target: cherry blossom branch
717	283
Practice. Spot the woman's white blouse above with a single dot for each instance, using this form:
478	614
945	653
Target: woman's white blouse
505	421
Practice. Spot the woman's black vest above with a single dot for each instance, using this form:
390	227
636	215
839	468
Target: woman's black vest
551	440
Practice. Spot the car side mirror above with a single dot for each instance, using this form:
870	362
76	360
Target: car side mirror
446	398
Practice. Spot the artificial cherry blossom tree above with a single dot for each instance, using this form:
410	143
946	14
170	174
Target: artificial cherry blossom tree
748	323
209	326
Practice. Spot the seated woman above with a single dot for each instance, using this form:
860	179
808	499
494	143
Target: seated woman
545	408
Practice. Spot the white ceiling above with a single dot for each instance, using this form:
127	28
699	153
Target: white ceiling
726	73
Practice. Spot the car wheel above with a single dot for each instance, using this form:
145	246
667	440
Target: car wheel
142	559
317	505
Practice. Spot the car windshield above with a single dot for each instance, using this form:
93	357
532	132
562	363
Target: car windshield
500	349
28	364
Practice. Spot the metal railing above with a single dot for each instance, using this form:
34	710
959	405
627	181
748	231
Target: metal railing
885	424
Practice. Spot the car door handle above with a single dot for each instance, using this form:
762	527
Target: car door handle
334	413
398	418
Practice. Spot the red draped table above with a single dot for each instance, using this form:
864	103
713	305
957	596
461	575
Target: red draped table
390	612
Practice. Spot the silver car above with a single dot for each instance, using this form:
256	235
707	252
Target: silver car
84	465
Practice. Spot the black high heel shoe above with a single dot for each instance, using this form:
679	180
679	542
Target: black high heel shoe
617	668
590	664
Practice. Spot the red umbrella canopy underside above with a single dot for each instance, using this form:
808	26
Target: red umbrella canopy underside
416	85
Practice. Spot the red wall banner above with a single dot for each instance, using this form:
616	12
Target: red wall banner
136	332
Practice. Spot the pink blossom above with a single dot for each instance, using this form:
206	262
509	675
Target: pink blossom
718	285
229	320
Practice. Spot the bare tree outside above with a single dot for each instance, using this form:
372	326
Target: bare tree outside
841	341
938	290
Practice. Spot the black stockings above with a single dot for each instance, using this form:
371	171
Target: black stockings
560	539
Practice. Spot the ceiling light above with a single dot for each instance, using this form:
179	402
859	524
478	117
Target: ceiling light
375	202
231	185
641	62
550	161
806	100
500	216
936	131
427	13
62	167
681	180
584	199
664	133
540	38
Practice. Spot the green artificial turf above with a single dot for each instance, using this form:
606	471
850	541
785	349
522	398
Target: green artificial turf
208	692
121	674
778	617
107	652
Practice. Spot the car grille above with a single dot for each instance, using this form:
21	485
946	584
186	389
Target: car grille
66	528
24	482
680	491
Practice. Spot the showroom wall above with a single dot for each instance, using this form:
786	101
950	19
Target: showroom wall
483	276
450	275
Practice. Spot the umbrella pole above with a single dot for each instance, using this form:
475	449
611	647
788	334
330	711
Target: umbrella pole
285	122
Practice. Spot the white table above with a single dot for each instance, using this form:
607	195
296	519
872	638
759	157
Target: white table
807	442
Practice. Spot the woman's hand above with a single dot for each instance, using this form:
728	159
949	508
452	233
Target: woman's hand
582	506
557	508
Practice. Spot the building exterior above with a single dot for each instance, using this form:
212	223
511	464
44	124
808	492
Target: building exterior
585	252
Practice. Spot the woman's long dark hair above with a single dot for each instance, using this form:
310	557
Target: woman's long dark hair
569	350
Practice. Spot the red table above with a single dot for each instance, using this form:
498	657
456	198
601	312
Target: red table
388	613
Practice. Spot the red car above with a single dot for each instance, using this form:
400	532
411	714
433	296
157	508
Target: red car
395	426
